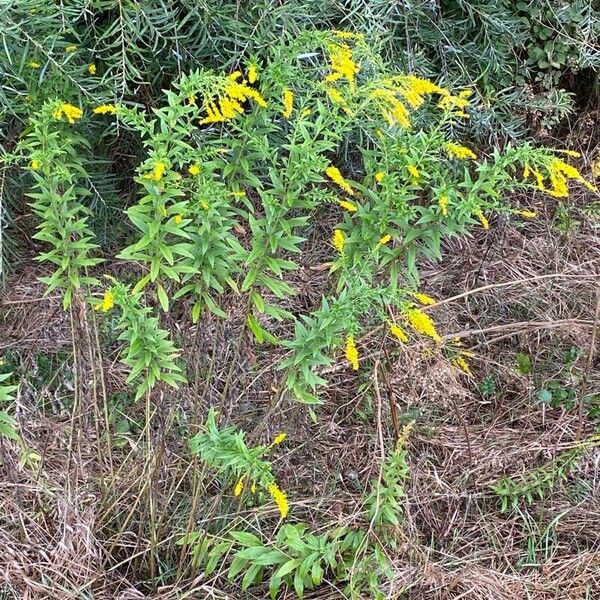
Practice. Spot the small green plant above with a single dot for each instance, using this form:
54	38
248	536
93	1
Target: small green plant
535	484
8	425
487	386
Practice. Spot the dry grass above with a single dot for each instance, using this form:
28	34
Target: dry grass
71	528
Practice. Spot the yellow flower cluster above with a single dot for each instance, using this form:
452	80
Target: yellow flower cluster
280	437
105	109
397	331
456	104
239	487
252	73
34	64
414	90
288	103
194	170
280	498
394	111
108	301
334	174
463	365
348	206
157	172
482	219
385	239
423	299
229	104
460	152
379	176
337	97
35	164
414	172
338	240
92	69
443	203
560	173
352	353
422	323
70	49
342	63
528	214
68	111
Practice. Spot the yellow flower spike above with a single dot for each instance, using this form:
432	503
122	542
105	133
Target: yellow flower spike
443	204
34	64
385	239
105	109
352	353
424	299
158	172
348	205
191	100
35	164
178	219
194	170
334	174
335	96
288	103
204	205
460	152
463	365
414	172
239	487
528	214
280	498
338	240
526	172
342	63
70	112
253	487
92	69
252	73
540	181
482	219
70	49
108	301
422	323
235	75
279	438
398	332
379	176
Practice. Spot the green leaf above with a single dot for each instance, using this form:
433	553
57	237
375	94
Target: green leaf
163	298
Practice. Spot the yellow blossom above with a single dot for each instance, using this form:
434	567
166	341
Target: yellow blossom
70	49
239	487
424	299
253	487
342	64
463	365
178	219
338	240
422	323
34	64
252	73
288	103
385	239
461	152
35	164
526	172
157	172
443	203
379	176
194	170
70	112
483	220
397	331
279	438
92	69
352	353
393	109
191	100
334	174
348	206
204	205
335	95
235	75
105	109
528	214
108	301
414	172
280	499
